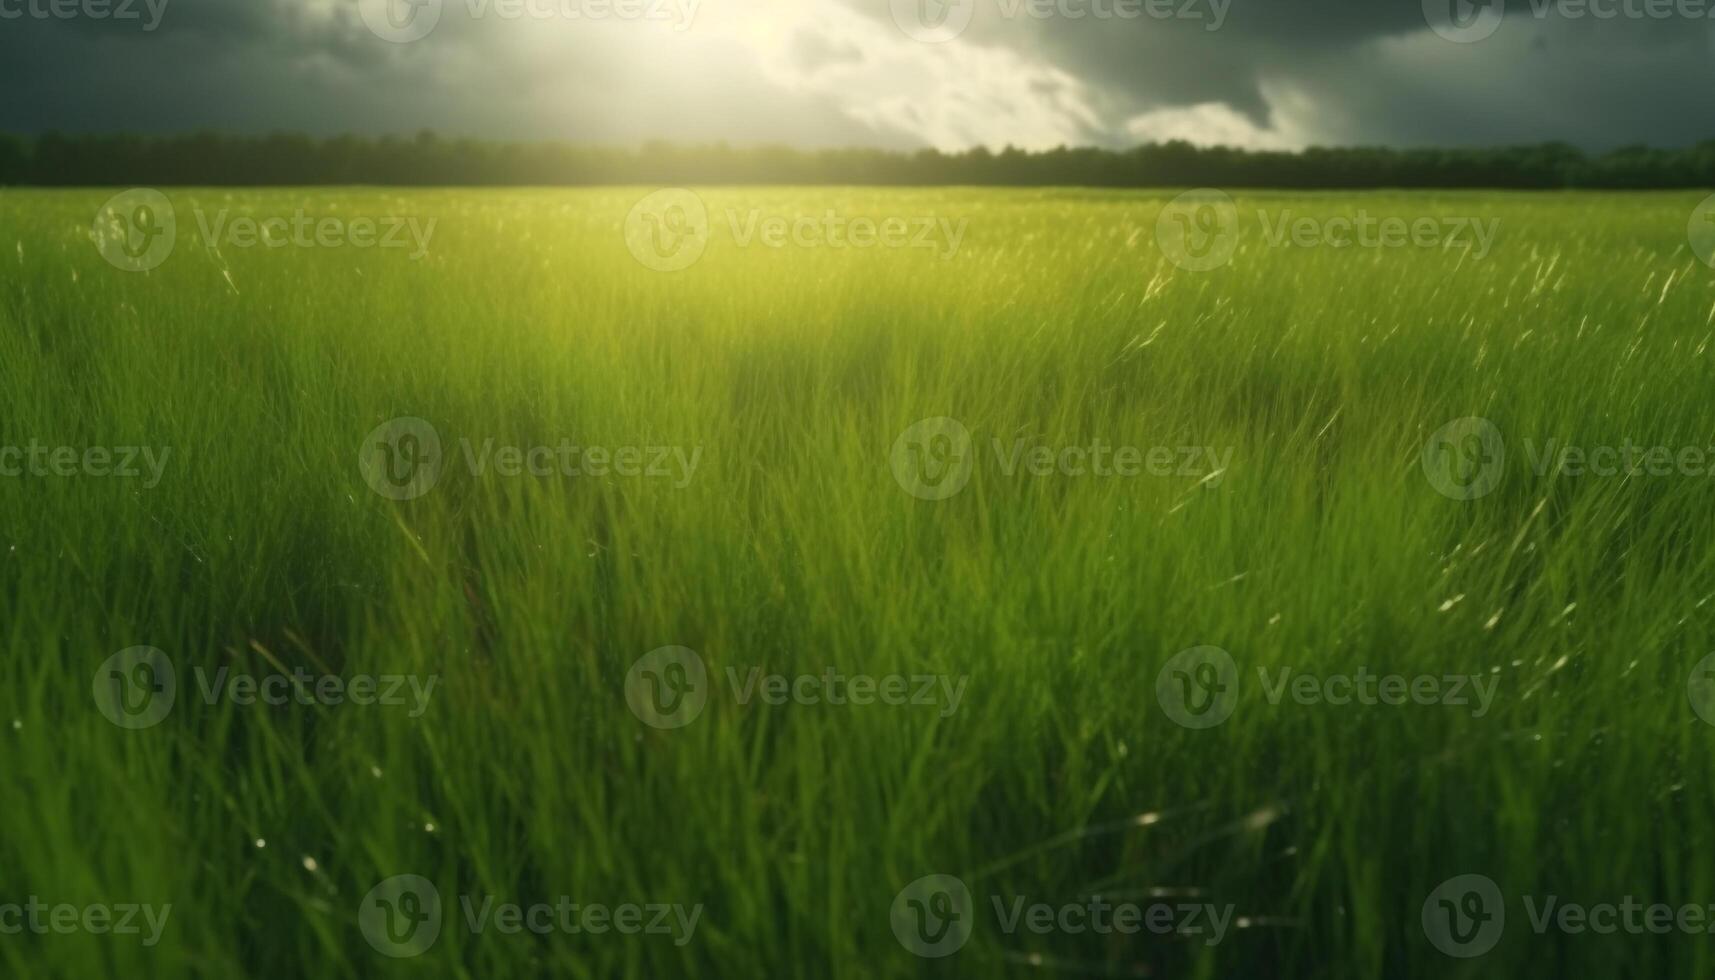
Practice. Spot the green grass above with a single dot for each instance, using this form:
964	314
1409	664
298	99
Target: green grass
794	549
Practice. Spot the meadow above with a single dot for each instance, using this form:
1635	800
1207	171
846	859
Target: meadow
1190	571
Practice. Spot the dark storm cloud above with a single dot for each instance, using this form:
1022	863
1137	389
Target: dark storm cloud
1276	72
1597	83
1184	57
1593	72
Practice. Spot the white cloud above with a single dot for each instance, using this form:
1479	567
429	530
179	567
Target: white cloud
950	96
1208	124
1296	119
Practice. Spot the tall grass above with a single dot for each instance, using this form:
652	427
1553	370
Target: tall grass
793	548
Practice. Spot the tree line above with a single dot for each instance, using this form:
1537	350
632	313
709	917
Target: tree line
213	159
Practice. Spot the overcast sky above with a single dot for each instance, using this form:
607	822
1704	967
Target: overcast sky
889	73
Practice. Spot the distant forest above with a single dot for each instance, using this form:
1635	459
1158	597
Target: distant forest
210	159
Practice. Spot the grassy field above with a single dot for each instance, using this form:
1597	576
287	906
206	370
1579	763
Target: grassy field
580	662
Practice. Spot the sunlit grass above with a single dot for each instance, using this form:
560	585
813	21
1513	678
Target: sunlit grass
1321	547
